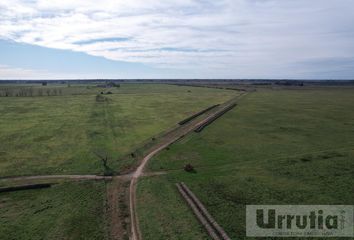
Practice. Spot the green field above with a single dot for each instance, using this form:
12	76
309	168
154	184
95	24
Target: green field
64	211
63	134
275	147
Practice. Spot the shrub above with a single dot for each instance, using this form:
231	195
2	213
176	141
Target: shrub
189	168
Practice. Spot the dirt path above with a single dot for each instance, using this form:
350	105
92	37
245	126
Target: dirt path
78	177
116	194
167	140
135	231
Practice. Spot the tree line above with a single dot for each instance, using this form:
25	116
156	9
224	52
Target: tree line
29	92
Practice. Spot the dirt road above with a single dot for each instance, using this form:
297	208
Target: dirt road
132	190
167	140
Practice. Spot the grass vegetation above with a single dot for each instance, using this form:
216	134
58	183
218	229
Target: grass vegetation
275	147
66	134
73	210
172	219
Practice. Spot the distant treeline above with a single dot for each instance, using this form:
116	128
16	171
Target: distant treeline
188	81
217	86
29	92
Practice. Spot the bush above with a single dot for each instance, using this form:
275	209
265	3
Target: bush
189	168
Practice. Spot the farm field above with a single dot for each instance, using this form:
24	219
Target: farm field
275	147
65	211
63	134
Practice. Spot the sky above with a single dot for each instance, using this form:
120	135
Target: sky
238	39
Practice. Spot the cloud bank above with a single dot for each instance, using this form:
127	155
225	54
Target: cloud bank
225	38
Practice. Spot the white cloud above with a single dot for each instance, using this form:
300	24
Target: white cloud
233	37
15	73
7	72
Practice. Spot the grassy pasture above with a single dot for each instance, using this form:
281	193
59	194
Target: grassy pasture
275	147
62	134
64	211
